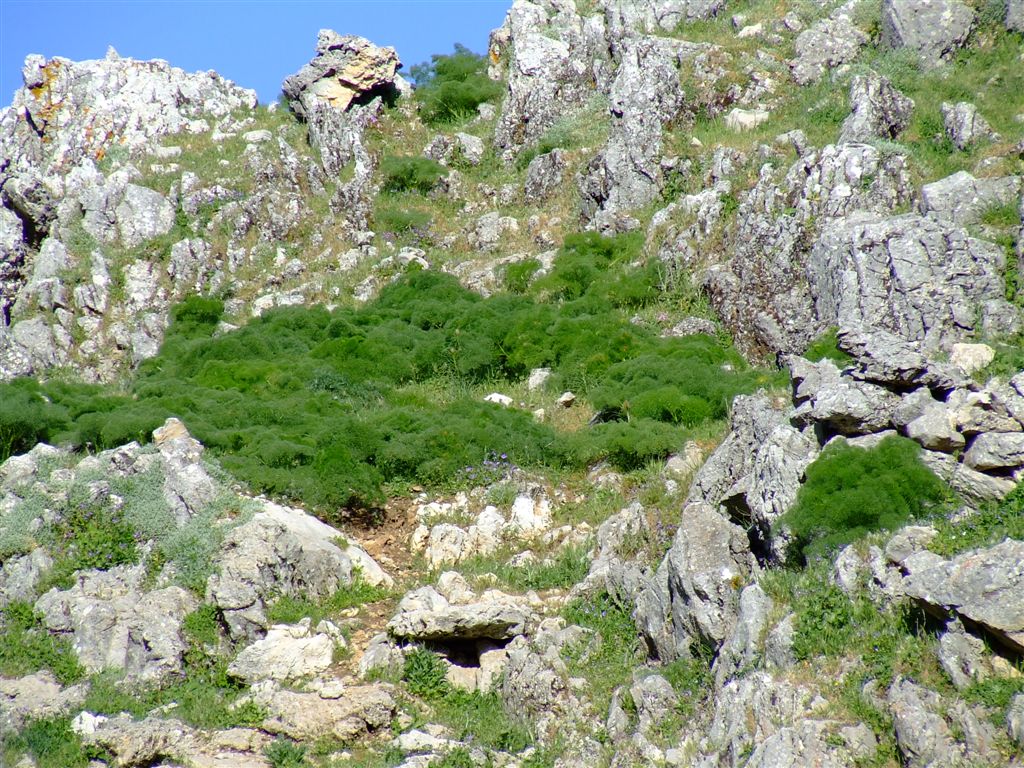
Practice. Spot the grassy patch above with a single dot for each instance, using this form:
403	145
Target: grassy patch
562	569
618	650
826	346
988	526
290	610
50	742
28	647
411	174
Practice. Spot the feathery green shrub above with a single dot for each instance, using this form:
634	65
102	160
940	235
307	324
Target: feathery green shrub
450	87
411	174
851	491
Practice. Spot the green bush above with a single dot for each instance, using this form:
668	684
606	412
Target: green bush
388	217
90	536
26	417
411	174
851	491
451	86
331	407
988	526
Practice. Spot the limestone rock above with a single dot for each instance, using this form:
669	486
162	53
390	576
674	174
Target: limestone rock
342	712
544	175
35	697
996	450
708	563
877	110
115	625
933	29
346	67
1015	15
287	652
283	551
826	44
142	215
440	620
964	125
923	736
742	649
985	587
919	279
963	199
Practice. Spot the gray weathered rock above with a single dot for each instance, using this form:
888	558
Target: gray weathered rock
923	736
915	277
142	215
432	617
708	564
877	110
287	652
742	649
655	700
340	711
963	199
1015	15
974	486
826	44
645	95
984	587
763	292
20	575
1015	719
544	175
38	696
115	625
996	450
282	551
933	29
962	657
964	125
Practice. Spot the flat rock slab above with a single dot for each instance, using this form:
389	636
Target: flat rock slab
473	621
984	586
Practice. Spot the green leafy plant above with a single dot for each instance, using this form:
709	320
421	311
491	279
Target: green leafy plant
424	673
826	346
284	753
850	491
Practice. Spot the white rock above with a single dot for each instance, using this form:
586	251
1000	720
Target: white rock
500	399
740	120
971	357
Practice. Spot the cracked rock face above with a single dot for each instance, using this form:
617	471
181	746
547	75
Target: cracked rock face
877	110
933	29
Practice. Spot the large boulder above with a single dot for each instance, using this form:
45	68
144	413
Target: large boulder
1015	15
984	588
763	292
279	552
933	29
343	712
346	68
877	110
964	124
114	624
425	614
919	279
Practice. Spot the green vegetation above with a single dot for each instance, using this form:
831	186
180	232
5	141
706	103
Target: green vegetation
332	407
607	661
692	680
290	610
565	568
28	647
50	742
475	717
986	527
827	346
411	174
850	491
283	753
451	86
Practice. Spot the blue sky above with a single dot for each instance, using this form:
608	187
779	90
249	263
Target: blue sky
256	43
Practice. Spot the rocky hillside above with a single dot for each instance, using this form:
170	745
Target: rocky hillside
648	391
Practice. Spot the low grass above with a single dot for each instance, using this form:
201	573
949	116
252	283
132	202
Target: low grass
290	610
990	525
29	647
